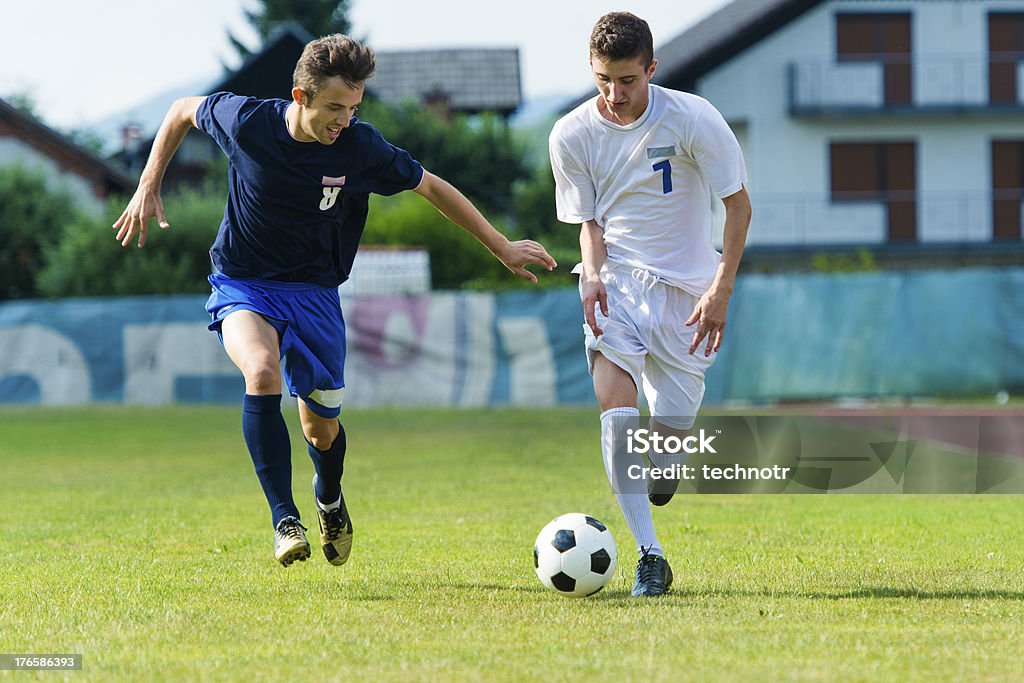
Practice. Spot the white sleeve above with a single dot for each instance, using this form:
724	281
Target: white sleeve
717	152
574	190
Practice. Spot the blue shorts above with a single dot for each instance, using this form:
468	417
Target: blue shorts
311	328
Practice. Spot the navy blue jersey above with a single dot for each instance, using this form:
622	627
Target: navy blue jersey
296	210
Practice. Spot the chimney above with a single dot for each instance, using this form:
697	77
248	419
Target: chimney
131	138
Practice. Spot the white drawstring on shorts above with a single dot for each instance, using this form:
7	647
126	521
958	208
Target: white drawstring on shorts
646	278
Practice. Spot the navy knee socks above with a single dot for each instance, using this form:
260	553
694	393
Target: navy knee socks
329	466
266	436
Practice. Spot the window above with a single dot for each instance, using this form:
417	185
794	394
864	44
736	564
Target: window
1005	52
881	38
878	172
1007	184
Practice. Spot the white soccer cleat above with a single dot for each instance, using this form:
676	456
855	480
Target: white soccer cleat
290	542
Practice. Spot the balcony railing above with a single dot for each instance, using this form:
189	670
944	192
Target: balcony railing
938	83
939	217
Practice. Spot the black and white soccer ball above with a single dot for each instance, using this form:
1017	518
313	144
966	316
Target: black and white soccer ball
575	555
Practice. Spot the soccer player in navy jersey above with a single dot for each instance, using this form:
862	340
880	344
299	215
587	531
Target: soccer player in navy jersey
300	175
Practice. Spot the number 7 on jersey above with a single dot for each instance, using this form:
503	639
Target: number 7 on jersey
666	175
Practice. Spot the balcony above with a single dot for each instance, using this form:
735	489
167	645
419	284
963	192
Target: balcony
894	85
939	218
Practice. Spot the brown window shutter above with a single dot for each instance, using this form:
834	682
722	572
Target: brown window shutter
856	173
1006	48
895	36
900	186
879	172
900	167
1007	181
856	37
884	38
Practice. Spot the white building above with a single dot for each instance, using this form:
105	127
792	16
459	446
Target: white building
886	123
67	168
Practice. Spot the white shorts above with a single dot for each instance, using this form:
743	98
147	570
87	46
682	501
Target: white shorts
646	335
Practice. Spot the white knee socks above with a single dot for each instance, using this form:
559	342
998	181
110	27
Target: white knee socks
630	492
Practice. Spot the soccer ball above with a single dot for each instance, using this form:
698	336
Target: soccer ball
575	555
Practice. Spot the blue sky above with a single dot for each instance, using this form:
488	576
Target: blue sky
82	61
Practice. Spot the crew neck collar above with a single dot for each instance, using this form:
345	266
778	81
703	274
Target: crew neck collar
641	120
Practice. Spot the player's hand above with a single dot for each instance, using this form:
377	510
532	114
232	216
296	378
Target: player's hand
709	316
517	255
594	294
145	204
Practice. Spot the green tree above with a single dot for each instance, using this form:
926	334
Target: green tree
409	220
479	155
860	260
457	259
32	218
23	101
534	210
86	138
88	262
319	17
534	205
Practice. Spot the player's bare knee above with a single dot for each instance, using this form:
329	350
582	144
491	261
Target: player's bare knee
319	441
262	378
321	435
613	386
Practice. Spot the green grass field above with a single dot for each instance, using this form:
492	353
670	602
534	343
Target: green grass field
140	538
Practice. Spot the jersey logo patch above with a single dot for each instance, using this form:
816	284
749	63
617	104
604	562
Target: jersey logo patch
661	152
328	181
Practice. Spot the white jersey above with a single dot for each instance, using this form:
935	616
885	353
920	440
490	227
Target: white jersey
649	183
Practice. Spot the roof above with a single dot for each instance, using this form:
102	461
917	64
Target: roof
471	79
63	149
468	79
721	36
267	74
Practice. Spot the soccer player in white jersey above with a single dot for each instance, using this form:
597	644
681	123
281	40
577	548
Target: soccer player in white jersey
636	166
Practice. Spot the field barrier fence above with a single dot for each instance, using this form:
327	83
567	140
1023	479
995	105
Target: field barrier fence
952	333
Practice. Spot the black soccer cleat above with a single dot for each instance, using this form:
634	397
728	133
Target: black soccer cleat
660	491
653	576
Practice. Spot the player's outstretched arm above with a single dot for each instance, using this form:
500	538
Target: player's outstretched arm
592	290
146	203
709	313
459	210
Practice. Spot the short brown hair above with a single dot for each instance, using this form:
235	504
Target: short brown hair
621	35
333	55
